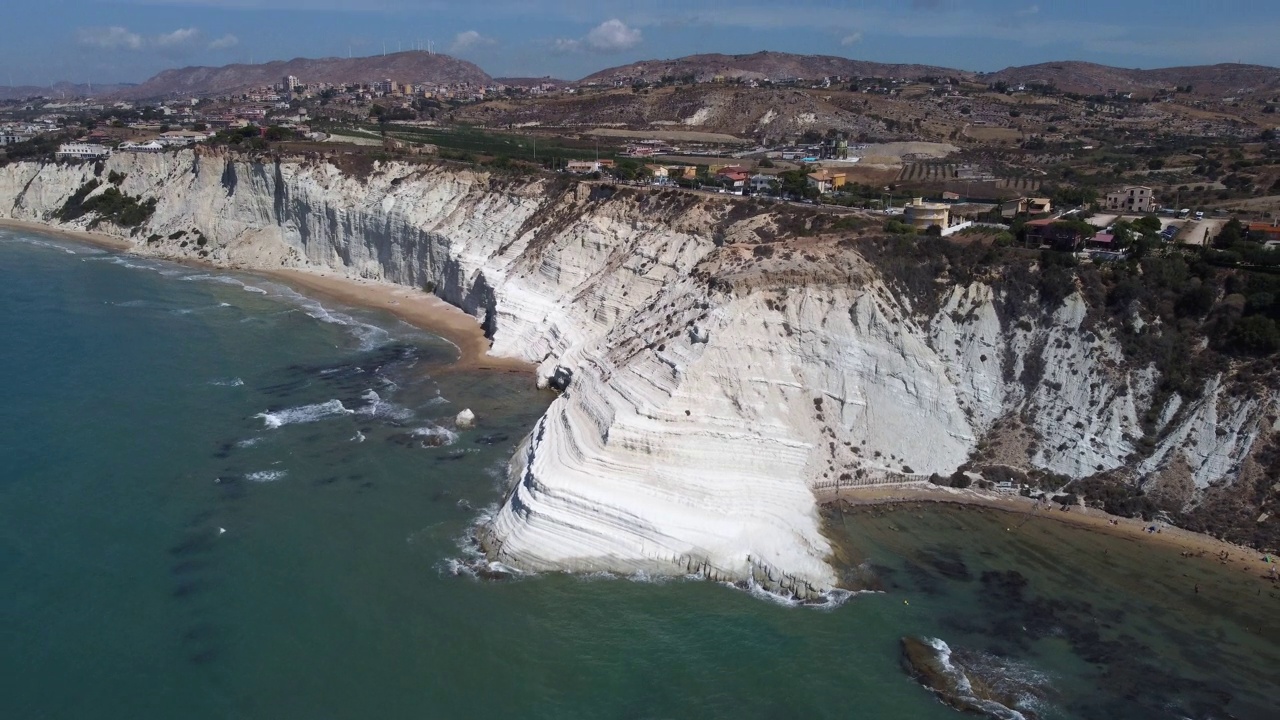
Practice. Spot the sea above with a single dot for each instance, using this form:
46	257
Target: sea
220	498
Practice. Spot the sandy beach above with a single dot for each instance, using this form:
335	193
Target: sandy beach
1192	544
416	307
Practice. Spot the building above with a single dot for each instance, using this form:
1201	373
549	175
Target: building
1135	199
923	215
826	180
734	176
763	183
6	139
1266	233
1056	234
148	147
290	82
582	167
178	138
82	150
1026	206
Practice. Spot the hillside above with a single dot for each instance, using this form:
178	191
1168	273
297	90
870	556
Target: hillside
743	112
61	90
764	65
1089	78
410	66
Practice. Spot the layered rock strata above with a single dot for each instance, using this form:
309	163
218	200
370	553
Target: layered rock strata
708	388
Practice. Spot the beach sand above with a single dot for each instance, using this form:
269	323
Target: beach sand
1191	544
416	307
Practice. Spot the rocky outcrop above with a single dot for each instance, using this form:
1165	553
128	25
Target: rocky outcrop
706	390
933	664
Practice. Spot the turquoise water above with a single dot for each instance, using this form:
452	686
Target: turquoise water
220	499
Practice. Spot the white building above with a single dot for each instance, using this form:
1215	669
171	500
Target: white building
147	147
82	150
763	183
1136	199
12	139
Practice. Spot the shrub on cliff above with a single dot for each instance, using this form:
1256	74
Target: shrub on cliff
110	206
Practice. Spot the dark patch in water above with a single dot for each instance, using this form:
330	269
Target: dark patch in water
200	518
492	439
325	480
189	566
224	450
947	563
193	544
188	588
199	632
203	657
455	455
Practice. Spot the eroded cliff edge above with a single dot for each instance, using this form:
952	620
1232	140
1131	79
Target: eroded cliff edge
723	364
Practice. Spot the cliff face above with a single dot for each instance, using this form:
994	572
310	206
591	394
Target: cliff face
714	385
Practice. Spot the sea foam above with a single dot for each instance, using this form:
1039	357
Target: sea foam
303	414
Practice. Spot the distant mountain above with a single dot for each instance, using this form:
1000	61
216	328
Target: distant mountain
405	67
58	91
764	65
1088	78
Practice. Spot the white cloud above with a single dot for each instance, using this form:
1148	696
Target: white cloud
852	38
111	38
613	36
224	42
1028	11
609	36
468	39
564	45
178	38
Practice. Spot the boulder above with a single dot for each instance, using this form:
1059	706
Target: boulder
465	419
560	379
931	662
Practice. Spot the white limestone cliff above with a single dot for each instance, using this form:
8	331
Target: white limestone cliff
708	393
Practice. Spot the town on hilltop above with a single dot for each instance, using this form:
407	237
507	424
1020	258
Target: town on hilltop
1069	156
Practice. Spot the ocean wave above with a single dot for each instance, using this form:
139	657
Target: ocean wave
249	442
369	336
26	240
227	382
266	476
376	407
435	436
303	414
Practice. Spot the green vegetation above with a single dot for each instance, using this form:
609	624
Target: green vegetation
109	206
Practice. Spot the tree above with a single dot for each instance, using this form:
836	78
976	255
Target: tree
1148	224
1231	234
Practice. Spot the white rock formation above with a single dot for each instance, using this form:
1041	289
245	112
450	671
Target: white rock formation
465	419
707	394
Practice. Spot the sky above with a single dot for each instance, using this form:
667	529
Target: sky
46	41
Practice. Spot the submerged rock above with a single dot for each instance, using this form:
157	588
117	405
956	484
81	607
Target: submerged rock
966	683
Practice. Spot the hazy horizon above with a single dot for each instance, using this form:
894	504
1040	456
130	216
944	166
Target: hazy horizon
129	41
